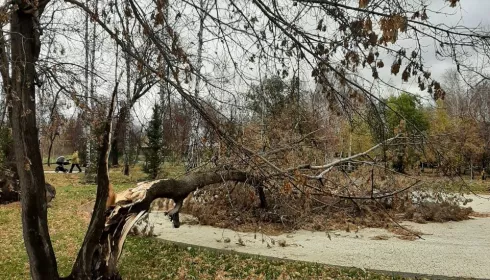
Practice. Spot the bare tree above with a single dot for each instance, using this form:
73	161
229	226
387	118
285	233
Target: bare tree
53	127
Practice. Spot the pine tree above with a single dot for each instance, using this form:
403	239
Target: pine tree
154	134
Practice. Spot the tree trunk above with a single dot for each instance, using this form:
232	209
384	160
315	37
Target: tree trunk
92	51
3	108
128	107
471	170
87	130
9	188
126	149
349	167
261	193
118	134
52	137
114	153
25	50
193	153
49	151
4	71
127	117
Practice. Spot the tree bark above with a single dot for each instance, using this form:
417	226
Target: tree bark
10	164
114	153
118	134
127	110
126	141
52	135
51	142
4	72
25	50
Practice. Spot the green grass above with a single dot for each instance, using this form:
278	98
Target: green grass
170	261
457	184
143	258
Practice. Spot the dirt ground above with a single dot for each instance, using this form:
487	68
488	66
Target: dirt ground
457	249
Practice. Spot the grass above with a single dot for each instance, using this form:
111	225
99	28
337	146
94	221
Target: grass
143	258
462	184
170	261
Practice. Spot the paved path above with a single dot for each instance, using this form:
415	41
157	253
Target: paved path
457	249
52	172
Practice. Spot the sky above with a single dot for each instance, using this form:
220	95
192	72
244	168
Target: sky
470	13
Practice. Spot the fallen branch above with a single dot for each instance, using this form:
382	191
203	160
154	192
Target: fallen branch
132	204
377	197
328	167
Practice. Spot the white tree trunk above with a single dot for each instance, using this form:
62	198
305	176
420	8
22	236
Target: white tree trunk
128	110
127	121
350	148
471	170
164	87
87	100
92	81
193	155
92	50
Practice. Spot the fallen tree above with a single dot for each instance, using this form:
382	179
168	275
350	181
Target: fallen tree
9	189
134	203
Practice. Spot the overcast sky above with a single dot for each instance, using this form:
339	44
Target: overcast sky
470	13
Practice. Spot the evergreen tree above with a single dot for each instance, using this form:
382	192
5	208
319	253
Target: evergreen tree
154	134
406	117
406	107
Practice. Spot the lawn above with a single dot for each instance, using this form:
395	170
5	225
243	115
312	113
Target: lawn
143	258
456	184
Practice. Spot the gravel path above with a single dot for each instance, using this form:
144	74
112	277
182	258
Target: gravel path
457	249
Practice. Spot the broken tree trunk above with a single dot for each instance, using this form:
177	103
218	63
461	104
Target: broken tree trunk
90	251
134	203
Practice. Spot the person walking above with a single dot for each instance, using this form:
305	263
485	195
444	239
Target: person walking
75	162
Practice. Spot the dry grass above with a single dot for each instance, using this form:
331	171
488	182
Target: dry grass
437	212
462	184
